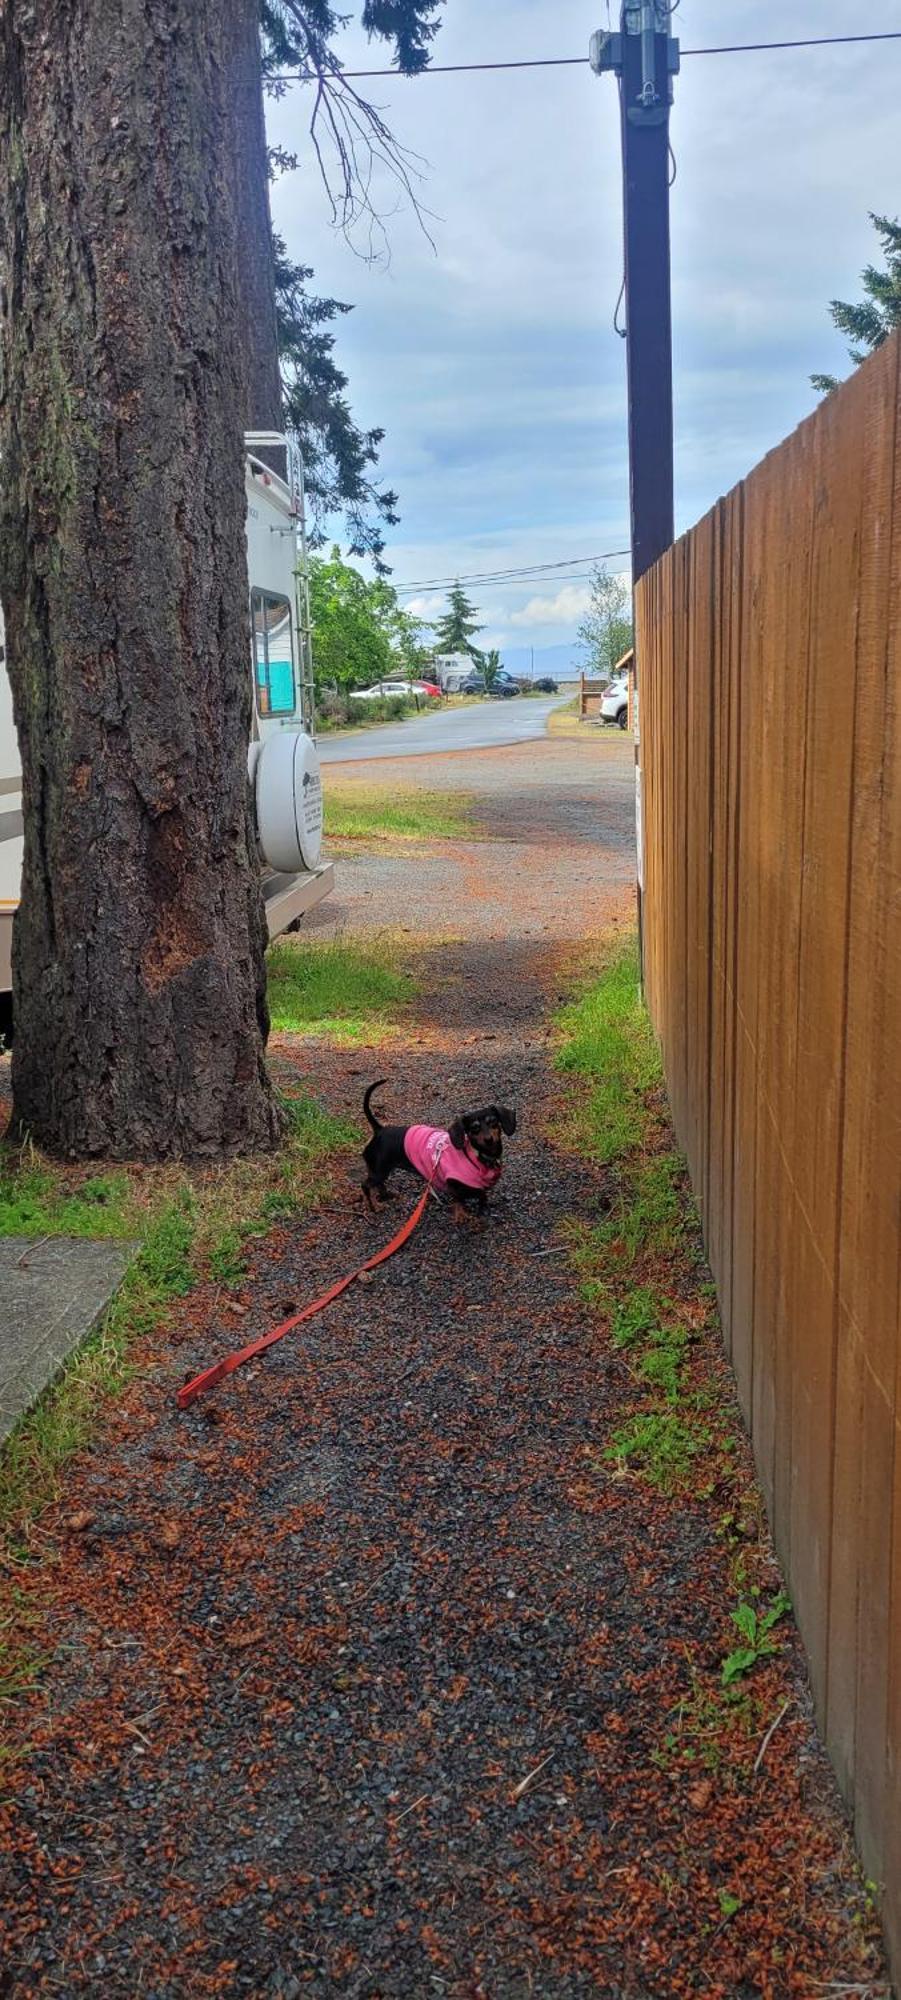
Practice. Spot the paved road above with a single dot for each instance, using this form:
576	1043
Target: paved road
484	726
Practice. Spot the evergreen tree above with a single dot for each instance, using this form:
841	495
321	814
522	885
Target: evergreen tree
879	313
339	458
454	633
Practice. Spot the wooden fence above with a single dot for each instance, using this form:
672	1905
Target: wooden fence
769	655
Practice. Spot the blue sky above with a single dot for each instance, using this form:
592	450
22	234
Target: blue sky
491	359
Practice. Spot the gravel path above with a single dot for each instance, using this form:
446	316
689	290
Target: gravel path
360	1669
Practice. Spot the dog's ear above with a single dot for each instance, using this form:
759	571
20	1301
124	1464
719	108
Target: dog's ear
507	1120
457	1134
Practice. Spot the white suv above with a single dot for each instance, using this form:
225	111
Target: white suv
615	703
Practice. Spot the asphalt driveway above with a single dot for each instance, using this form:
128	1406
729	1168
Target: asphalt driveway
484	726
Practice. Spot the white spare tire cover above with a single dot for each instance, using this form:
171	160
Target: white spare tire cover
288	791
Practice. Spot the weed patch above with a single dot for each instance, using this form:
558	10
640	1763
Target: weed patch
660	1445
338	989
756	1629
707	1727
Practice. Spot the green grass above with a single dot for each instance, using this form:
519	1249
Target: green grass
368	813
191	1228
645	1236
340	990
608	1041
33	1202
62	1418
649	1217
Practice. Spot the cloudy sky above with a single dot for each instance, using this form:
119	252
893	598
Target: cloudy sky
491	359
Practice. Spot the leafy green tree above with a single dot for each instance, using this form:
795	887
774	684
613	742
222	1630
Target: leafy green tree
868	324
605	633
455	632
351	647
361	634
491	667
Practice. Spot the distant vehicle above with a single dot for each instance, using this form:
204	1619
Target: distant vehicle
430	688
615	703
474	684
546	686
452	669
382	689
504	685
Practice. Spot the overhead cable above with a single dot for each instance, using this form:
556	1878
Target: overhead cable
581	62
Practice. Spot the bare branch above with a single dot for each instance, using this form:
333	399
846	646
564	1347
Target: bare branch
354	145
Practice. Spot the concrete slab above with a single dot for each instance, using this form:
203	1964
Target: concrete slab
53	1291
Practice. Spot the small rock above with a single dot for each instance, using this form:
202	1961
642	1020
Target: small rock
78	1522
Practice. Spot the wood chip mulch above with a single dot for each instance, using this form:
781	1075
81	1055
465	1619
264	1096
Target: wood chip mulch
359	1675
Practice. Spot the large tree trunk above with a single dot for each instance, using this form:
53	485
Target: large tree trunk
139	982
256	293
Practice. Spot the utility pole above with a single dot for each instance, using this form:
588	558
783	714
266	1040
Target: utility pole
645	58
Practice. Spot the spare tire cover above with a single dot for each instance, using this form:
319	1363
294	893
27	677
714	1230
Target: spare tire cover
288	791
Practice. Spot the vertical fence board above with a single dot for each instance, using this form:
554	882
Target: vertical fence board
862	1471
770	646
869	1281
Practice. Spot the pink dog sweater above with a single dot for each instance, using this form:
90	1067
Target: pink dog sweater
430	1151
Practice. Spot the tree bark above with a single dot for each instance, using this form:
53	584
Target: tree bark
258	329
139	980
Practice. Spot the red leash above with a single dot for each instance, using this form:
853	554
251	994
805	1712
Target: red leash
213	1375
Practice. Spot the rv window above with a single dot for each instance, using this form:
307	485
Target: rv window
273	654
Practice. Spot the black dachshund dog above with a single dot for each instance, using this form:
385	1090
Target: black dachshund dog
462	1161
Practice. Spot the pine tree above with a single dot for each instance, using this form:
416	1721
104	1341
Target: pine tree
870	323
338	458
454	633
140	991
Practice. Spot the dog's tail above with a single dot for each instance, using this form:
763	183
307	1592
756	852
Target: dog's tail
369	1115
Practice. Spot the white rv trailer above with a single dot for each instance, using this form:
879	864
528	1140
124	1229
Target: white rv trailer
283	765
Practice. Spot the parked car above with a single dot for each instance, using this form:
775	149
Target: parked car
381	689
473	684
505	686
429	688
546	686
615	703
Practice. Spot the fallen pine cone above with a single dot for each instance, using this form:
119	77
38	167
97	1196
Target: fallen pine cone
168	1535
77	1523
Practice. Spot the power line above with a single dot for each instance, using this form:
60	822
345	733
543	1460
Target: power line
513	574
581	62
541	573
505	583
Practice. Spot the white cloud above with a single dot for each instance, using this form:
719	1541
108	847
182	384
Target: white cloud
424	607
569	605
491	360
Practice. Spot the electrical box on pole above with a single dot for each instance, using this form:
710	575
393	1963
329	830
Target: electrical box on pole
645	58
